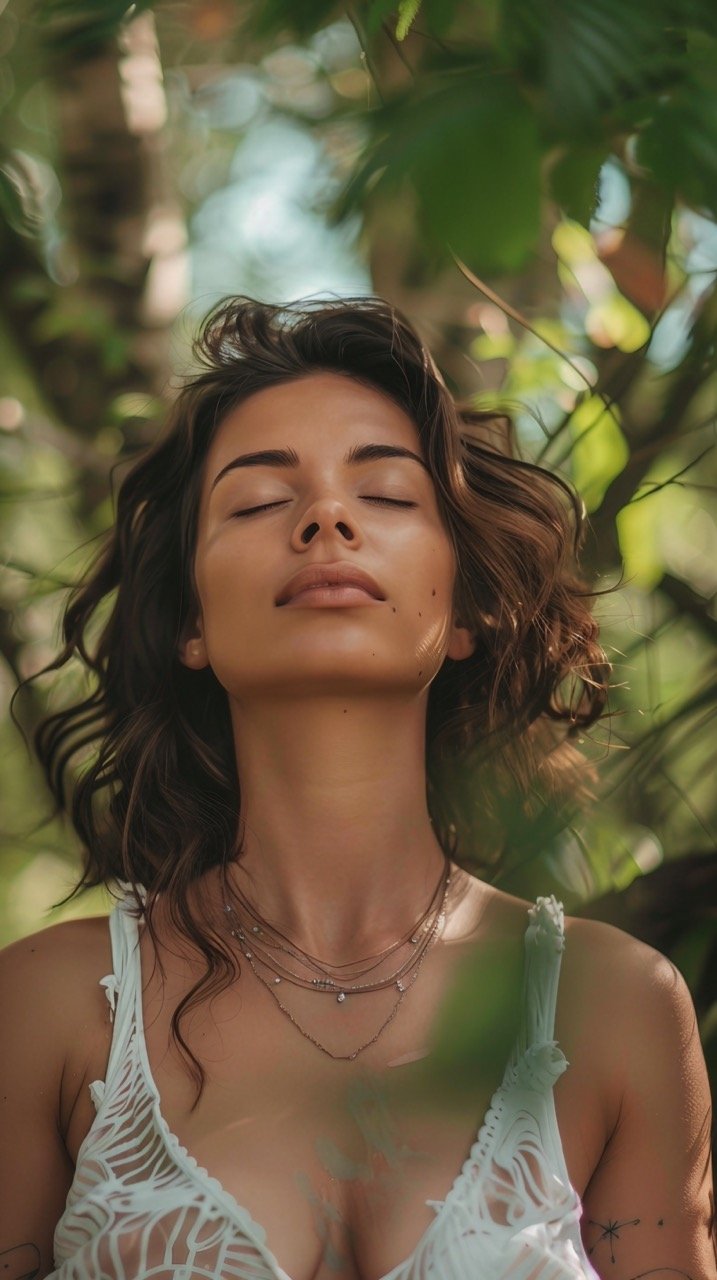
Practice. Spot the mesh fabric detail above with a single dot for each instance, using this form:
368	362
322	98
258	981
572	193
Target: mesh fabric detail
141	1207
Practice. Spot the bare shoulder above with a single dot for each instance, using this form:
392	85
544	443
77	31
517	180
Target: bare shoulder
625	1017
601	962
52	1026
624	978
616	995
615	991
626	1023
52	1009
635	992
41	962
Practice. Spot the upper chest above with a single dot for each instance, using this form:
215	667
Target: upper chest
336	1160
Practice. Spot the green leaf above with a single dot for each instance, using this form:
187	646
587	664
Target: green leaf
586	58
679	146
478	180
573	244
613	321
407	13
574	180
638	531
377	13
437	16
599	452
493	346
470	148
656	528
115	353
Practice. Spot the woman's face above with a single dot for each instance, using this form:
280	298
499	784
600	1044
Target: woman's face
324	510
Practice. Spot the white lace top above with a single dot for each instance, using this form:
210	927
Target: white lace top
140	1206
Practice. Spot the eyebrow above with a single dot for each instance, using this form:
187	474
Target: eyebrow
289	457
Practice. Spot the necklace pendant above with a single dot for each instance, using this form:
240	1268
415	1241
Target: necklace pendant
277	979
400	985
414	939
341	996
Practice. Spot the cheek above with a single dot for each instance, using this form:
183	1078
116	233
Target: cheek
225	585
438	572
431	604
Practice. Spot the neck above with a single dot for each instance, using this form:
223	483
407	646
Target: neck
338	848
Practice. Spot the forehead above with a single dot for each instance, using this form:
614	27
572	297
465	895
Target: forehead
318	414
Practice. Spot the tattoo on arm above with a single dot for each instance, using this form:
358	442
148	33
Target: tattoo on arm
20	1263
610	1231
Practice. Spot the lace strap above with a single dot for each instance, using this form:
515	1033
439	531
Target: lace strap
122	984
544	946
544	943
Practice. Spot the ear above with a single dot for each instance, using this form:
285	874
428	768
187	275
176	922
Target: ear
461	643
192	650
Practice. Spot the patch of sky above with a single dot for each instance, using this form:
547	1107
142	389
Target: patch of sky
701	234
671	335
613	197
536	420
231	101
265	233
336	46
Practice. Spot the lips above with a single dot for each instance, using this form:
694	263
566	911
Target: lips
332	575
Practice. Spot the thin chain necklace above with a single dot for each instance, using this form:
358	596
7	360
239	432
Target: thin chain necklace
332	984
266	940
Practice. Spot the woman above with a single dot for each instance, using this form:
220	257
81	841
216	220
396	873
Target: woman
333	590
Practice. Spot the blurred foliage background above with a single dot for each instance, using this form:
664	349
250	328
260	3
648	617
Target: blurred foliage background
535	185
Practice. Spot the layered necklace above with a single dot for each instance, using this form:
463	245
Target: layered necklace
275	960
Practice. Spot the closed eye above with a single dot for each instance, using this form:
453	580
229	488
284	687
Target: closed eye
266	506
393	502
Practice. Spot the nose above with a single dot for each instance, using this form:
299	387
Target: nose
326	516
309	533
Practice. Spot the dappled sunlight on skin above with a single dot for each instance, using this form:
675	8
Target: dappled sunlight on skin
364	1155
323	470
467	1045
469	1040
408	551
374	1164
382	1154
431	648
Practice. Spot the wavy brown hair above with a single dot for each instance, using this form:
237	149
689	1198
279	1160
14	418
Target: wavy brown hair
145	764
